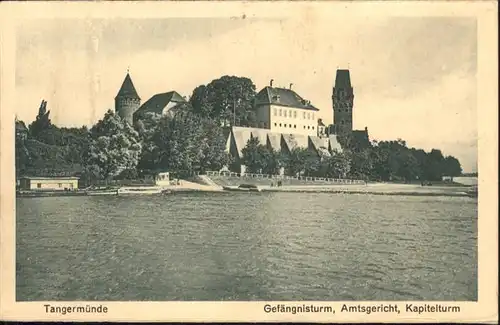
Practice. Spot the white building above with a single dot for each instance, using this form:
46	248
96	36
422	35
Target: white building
282	110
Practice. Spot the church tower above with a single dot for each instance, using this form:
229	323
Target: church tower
127	101
343	102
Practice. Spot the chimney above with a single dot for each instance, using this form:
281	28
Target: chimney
271	83
291	85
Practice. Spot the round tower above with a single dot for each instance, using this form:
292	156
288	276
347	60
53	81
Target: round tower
127	101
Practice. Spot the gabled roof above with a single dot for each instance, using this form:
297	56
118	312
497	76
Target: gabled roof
274	141
288	142
127	89
316	143
343	79
260	134
241	136
282	97
158	102
334	143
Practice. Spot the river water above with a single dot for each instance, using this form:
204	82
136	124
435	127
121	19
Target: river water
236	246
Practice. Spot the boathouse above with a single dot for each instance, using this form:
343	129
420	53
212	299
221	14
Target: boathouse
49	183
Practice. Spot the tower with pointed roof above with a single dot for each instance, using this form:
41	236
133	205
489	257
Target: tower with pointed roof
127	101
343	102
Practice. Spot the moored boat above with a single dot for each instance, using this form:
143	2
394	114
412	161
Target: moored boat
102	192
243	188
142	190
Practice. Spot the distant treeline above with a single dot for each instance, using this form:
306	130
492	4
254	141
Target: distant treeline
360	159
193	140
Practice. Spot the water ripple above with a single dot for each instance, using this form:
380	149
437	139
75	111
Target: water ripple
276	246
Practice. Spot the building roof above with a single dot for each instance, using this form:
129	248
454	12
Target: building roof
274	141
50	177
343	79
158	102
241	136
127	89
283	97
334	143
260	134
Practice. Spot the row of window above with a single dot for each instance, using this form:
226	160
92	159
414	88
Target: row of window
289	113
343	105
294	126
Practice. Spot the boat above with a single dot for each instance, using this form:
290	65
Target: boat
140	190
102	192
243	188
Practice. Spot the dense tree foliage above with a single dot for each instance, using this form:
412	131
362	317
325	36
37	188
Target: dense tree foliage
228	100
377	161
185	143
114	148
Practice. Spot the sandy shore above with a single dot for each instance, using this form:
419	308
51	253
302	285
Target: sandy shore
376	188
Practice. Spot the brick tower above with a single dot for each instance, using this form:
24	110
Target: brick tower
343	103
127	101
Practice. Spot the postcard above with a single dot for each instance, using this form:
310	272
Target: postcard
249	161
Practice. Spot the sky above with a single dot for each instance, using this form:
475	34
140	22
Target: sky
414	78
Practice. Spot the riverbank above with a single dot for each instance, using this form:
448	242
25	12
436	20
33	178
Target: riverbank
370	188
374	189
377	189
184	186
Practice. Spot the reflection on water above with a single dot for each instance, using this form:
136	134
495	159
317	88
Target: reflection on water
236	246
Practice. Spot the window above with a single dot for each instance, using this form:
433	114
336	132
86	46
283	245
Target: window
308	127
275	112
295	114
289	113
284	125
304	126
284	113
39	185
275	124
313	116
280	111
280	124
308	116
60	185
313	127
304	115
294	126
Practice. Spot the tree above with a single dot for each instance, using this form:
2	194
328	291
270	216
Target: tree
114	147
434	165
228	100
213	146
337	165
42	121
361	164
301	161
178	142
254	156
147	127
451	167
274	161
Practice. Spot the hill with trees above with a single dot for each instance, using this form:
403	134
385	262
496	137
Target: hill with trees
194	139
